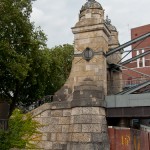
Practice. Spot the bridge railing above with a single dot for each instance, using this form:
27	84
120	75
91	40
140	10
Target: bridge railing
134	82
30	106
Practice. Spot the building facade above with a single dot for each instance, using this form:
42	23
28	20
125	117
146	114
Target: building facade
142	64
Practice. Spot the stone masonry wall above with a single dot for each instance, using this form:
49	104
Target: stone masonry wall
76	120
62	129
89	129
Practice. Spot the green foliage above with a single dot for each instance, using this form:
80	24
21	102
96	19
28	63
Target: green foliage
3	140
21	130
28	69
22	53
60	66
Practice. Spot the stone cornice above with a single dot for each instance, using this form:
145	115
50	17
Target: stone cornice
94	27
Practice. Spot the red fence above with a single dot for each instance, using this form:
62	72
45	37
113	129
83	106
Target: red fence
128	139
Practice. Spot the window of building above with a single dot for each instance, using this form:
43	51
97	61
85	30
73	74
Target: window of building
140	61
143	58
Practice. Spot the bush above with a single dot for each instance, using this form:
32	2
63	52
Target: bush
21	131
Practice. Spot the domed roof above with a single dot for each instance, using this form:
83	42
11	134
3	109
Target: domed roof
91	4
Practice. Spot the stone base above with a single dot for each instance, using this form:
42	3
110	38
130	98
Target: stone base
79	124
87	146
79	128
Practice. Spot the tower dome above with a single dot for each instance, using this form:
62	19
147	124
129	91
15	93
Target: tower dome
91	7
91	4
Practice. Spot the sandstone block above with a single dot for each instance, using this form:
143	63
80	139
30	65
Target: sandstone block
65	128
75	128
44	129
81	137
62	137
56	113
53	137
64	120
86	146
81	119
102	111
97	119
104	137
91	110
46	113
67	112
91	128
59	146
104	128
95	110
104	122
50	120
46	121
48	136
55	128
87	110
54	120
97	137
76	111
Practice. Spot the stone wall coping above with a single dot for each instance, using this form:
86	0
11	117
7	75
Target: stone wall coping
65	105
40	109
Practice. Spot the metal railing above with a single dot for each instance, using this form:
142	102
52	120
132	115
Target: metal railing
116	86
30	106
3	124
134	82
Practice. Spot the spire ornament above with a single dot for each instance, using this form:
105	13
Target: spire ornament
108	21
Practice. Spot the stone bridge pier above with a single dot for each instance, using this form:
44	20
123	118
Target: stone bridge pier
76	119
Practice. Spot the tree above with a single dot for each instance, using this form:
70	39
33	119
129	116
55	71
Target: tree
22	53
28	69
22	129
60	66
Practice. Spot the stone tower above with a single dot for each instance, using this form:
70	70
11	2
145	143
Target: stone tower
114	77
86	86
91	37
76	120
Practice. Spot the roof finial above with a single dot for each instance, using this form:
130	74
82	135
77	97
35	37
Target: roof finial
108	21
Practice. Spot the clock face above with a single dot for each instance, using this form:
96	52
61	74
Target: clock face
88	54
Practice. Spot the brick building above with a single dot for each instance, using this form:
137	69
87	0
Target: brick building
142	64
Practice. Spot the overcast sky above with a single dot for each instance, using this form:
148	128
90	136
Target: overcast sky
56	17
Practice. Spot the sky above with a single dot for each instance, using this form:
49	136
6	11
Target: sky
56	17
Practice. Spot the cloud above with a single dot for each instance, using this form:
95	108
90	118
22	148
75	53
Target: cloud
128	14
57	17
